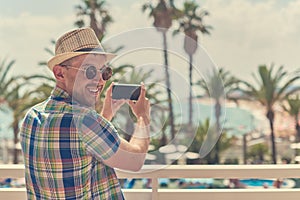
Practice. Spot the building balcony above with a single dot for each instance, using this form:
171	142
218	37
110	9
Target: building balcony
154	172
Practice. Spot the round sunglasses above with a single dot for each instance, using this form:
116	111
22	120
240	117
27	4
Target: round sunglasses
91	71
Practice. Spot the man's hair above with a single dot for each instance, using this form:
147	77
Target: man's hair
68	62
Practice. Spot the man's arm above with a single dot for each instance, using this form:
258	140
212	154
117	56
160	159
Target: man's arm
131	155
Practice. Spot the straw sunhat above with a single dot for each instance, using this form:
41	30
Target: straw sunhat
77	42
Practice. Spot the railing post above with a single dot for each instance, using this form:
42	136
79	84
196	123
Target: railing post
154	188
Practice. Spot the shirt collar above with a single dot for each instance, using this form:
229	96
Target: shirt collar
59	94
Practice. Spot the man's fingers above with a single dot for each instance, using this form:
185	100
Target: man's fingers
109	90
131	103
119	102
143	90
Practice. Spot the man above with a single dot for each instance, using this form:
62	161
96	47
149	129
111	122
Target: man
69	149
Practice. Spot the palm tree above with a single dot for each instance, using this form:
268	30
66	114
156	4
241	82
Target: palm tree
190	23
5	83
163	14
18	102
257	152
98	15
219	85
42	91
293	109
201	135
49	51
272	87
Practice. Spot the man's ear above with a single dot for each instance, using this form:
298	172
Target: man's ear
58	73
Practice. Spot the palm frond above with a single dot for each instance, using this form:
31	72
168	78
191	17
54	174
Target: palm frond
6	69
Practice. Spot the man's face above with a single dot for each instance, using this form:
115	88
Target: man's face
83	90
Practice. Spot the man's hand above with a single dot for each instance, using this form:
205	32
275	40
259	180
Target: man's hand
141	107
111	106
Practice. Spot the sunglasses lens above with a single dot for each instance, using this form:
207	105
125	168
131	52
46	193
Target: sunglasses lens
91	72
107	73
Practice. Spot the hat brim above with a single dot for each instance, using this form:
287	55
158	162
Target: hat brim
65	56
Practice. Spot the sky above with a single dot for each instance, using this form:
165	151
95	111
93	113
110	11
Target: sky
246	33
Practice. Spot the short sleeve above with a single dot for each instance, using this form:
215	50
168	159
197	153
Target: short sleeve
99	136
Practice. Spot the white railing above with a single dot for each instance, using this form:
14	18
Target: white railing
187	171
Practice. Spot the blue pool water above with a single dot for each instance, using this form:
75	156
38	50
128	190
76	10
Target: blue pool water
258	182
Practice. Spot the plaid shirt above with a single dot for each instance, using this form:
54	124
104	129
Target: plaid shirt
63	146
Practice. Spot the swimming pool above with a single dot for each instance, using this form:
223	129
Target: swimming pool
287	183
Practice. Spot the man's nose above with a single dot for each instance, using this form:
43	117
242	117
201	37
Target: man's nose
99	78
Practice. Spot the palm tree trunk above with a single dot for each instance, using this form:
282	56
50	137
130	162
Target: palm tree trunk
190	95
16	140
297	136
270	116
298	132
261	155
297	129
168	84
129	129
163	140
217	114
93	20
245	149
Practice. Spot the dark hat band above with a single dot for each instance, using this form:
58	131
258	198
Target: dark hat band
89	50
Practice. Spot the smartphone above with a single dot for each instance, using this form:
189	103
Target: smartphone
126	91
